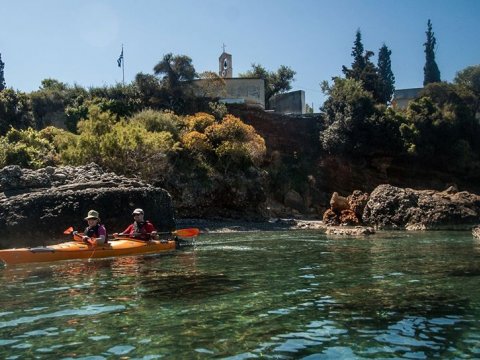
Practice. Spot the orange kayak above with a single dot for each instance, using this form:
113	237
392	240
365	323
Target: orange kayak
79	250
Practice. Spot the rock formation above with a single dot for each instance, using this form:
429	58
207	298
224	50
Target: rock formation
37	205
390	207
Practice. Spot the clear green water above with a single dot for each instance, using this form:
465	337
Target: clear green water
277	295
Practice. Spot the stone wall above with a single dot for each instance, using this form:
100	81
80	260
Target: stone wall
287	134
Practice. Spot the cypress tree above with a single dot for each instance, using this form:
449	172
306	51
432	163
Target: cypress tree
2	78
386	77
359	63
430	70
362	68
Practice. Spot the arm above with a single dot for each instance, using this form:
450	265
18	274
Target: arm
102	233
128	230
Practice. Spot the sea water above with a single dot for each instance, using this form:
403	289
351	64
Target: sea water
271	295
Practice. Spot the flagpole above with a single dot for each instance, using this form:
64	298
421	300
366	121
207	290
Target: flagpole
123	68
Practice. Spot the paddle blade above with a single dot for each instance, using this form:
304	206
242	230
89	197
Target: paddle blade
187	232
68	231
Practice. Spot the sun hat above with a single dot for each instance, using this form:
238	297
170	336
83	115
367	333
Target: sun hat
92	214
137	211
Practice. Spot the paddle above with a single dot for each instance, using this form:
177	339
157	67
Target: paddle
184	233
78	237
191	232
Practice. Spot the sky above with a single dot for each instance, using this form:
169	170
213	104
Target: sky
79	41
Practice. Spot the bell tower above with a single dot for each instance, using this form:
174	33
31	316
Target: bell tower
225	65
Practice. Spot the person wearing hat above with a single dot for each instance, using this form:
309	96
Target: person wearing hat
94	230
140	229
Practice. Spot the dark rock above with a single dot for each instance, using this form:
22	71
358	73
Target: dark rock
397	208
331	218
36	206
294	200
358	201
348	217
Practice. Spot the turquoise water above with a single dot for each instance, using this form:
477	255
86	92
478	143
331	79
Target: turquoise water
272	295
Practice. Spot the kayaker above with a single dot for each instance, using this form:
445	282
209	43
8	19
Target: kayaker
140	229
95	229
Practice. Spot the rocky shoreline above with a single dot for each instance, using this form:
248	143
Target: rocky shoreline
37	205
229	226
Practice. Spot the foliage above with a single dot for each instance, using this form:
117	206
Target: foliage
158	121
151	93
353	125
175	69
275	82
2	75
199	122
196	142
430	70
26	148
469	78
176	72
441	128
468	81
386	77
121	100
15	111
219	110
236	144
308	109
212	85
364	70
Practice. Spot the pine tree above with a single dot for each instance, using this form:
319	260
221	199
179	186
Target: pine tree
362	68
358	64
430	70
386	77
2	78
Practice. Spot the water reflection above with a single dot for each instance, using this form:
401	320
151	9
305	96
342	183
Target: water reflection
263	295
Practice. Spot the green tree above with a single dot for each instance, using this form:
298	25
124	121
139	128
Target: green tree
15	111
358	64
345	113
176	72
354	125
363	69
2	77
151	93
386	77
54	103
26	148
275	82
468	80
430	70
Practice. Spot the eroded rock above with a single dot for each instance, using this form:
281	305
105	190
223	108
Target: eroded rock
37	205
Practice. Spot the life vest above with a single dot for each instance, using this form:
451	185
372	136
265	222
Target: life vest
143	229
93	232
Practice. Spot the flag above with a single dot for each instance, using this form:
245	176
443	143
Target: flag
120	59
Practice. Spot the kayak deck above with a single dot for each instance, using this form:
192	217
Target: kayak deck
78	250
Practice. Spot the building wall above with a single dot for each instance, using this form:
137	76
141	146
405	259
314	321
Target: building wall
289	103
402	97
252	91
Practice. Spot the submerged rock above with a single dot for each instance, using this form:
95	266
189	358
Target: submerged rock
37	205
349	231
476	232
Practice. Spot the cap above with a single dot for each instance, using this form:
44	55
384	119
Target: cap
137	211
92	214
